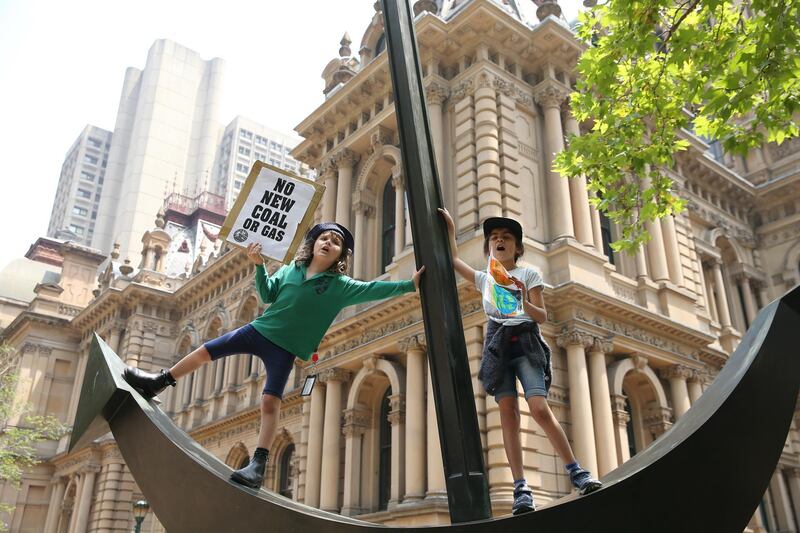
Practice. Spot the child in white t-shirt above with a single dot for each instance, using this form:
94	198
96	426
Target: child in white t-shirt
514	349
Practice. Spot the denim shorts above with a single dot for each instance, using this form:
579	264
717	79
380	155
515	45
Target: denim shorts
519	365
247	340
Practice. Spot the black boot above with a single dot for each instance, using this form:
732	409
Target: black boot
148	384
252	475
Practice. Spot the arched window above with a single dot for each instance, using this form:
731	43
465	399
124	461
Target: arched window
285	474
385	454
387	225
605	233
629	429
380	45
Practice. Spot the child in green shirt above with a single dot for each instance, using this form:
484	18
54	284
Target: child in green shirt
305	297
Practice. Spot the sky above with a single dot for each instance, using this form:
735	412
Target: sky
62	65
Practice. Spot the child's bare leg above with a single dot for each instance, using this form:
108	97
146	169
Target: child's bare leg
190	363
509	422
541	413
270	410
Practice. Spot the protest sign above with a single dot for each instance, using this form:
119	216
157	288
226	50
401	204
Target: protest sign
274	209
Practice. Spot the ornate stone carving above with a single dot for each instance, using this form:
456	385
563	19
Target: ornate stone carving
658	420
380	136
356	422
397	181
574	337
676	371
375	333
504	87
397	409
345	158
640	362
604	345
550	93
334	374
465	88
414	342
436	93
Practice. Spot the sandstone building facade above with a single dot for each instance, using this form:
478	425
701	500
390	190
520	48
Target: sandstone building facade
636	339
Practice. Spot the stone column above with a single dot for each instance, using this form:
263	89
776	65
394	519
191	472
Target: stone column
749	301
302	450
397	418
601	406
345	160
621	419
641	263
487	150
695	386
671	246
331	434
54	509
363	212
76	503
314	461
793	480
415	419
356	423
435	95
579	199
435	468
550	94
782	502
677	376
219	373
113	338
580	404
328	178
762	295
656	253
722	298
85	504
399	211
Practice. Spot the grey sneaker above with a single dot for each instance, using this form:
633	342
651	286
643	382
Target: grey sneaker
583	481
523	500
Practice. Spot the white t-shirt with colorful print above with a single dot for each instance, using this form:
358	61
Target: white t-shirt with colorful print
529	277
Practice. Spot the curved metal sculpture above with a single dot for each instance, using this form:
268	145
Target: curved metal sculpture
707	473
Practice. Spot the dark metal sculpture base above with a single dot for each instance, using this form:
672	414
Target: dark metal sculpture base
707	473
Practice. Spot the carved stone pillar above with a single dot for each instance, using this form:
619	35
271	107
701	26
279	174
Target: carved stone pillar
363	211
397	418
601	406
641	262
356	423
579	198
415	421
54	509
677	376
329	485
721	291
550	94
621	419
314	461
487	150
328	177
656	253
580	404
793	481
695	386
749	301
436	95
345	160
399	210
782	502
85	502
671	247
658	421
435	468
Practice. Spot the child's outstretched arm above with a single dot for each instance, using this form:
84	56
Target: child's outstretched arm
357	292
466	271
266	286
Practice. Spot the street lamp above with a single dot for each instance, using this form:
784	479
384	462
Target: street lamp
140	509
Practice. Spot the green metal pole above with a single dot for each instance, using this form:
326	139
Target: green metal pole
462	451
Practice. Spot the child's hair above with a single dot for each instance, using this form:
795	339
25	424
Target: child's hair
519	250
306	252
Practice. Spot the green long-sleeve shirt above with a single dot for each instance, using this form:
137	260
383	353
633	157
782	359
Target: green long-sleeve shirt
303	309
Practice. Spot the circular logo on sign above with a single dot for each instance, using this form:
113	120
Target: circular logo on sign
240	235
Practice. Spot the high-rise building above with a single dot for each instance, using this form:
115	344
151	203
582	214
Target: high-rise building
243	143
166	134
80	186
